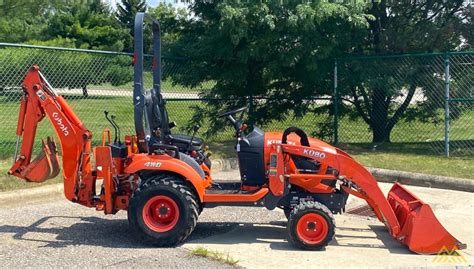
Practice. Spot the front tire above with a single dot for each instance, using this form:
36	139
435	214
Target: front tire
311	226
163	211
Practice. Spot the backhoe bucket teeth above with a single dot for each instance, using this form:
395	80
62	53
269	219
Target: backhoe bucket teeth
420	229
45	165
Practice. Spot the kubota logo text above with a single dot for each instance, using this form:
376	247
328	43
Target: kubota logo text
314	153
59	121
276	141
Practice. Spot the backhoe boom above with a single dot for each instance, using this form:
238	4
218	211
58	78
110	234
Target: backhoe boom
38	101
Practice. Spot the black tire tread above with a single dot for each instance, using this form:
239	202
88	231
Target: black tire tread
310	206
166	180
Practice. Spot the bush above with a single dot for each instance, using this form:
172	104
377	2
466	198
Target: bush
64	69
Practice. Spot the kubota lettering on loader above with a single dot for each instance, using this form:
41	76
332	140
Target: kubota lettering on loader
164	180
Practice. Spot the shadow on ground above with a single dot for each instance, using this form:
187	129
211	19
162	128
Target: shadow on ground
275	234
93	231
114	233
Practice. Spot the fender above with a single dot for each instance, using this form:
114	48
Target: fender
140	162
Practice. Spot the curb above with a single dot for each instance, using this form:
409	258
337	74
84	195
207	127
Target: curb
31	193
423	180
386	175
225	164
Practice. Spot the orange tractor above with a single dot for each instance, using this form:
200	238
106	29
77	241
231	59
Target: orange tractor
164	180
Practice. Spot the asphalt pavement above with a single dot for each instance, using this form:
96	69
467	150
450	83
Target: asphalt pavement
52	232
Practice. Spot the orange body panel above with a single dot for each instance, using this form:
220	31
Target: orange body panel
208	178
105	171
310	183
166	163
230	198
276	178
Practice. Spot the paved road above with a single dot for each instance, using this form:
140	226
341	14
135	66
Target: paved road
417	97
127	93
53	232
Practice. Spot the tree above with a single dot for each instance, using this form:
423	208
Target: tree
171	21
277	50
400	27
91	27
21	21
127	9
125	14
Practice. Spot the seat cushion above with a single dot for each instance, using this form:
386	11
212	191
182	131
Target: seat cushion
185	139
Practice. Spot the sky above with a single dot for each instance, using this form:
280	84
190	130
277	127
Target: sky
150	3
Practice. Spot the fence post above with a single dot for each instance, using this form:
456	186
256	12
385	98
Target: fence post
446	105
335	104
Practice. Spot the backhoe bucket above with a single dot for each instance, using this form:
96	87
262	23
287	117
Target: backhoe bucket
420	229
45	165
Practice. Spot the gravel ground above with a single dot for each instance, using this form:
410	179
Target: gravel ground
53	232
58	233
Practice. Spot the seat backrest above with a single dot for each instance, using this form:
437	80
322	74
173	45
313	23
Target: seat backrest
156	116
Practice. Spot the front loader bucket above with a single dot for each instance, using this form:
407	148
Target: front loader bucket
45	165
420	229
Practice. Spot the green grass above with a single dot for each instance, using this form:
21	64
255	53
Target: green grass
167	85
424	156
213	255
413	157
8	183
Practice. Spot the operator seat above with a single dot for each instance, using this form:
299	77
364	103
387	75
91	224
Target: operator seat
157	118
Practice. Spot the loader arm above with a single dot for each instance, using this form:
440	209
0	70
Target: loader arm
38	101
409	220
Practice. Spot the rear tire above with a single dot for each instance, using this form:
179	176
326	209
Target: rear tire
311	226
163	211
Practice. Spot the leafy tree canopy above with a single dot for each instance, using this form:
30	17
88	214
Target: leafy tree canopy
127	9
268	49
89	26
382	91
125	15
171	21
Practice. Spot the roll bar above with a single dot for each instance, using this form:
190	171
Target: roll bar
138	87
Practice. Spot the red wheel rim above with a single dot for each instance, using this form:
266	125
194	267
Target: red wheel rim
160	213
312	228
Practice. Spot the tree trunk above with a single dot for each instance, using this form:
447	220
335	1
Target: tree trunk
379	117
380	135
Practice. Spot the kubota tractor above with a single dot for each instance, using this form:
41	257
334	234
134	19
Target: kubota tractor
164	180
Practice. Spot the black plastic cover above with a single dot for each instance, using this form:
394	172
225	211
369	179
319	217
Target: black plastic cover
251	158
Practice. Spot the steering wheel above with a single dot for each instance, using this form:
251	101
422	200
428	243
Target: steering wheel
232	112
237	123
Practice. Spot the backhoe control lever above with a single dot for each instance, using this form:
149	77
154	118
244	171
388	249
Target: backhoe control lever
114	125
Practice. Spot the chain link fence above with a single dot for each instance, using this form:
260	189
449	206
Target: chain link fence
367	95
420	101
91	82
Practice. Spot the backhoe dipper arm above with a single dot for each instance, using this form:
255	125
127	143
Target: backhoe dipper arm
38	101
